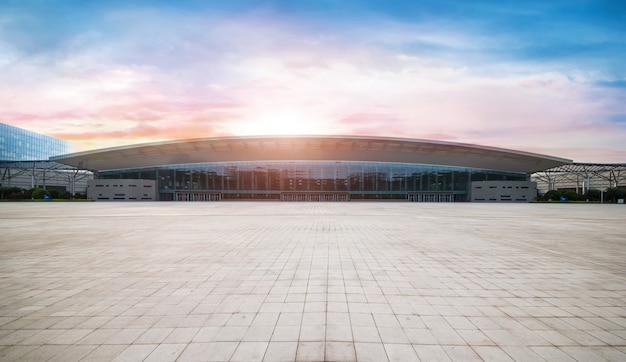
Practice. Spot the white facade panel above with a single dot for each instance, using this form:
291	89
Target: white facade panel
503	191
121	190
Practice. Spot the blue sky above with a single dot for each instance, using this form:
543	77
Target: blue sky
540	76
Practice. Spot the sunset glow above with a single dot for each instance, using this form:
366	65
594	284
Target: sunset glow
549	77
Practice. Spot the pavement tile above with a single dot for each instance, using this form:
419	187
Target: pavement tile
105	352
370	352
259	334
71	353
250	351
312	281
181	335
154	335
286	333
310	351
44	352
461	353
339	333
431	353
366	334
166	352
400	352
311	333
281	351
610	353
125	336
195	352
135	352
492	353
340	351
14	337
552	354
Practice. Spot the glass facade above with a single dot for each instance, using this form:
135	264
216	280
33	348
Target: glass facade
18	144
312	181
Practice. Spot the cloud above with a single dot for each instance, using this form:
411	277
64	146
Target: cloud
133	73
621	83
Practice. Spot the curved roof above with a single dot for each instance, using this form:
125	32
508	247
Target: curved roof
309	148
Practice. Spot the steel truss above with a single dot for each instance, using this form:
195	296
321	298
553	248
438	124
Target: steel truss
581	177
41	173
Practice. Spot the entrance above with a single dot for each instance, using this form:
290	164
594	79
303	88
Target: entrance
429	197
197	196
315	196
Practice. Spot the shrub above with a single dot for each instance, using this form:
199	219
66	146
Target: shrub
39	193
570	195
592	195
54	193
552	195
6	191
18	196
555	195
614	193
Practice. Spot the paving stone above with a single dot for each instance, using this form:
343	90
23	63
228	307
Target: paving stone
250	351
310	351
400	352
281	351
166	352
312	281
135	352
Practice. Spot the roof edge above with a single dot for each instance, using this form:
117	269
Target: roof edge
353	137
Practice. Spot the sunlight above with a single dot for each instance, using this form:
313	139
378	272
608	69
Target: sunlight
283	122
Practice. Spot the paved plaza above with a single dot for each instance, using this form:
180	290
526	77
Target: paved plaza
250	281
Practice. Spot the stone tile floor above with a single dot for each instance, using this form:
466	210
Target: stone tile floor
247	281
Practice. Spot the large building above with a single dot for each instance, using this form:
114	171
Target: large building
17	144
312	168
24	162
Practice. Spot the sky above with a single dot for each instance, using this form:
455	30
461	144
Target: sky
539	76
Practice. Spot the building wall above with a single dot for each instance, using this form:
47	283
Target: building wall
119	189
24	162
270	180
17	144
503	191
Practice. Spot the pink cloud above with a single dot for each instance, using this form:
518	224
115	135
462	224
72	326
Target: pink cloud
167	82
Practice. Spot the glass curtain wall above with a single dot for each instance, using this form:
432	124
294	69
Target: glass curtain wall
272	180
17	144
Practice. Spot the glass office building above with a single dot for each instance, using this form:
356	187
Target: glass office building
312	181
17	144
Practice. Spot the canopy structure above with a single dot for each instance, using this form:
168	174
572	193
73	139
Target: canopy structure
44	174
311	148
582	176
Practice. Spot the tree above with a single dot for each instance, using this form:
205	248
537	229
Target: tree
613	193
